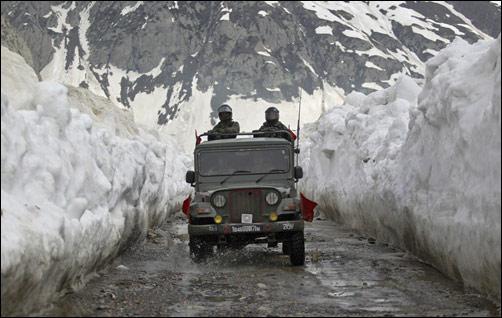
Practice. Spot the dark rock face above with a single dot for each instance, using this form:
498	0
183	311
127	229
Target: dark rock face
237	48
483	15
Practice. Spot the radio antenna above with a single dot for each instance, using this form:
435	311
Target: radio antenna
298	127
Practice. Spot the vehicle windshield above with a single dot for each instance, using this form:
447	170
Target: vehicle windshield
243	161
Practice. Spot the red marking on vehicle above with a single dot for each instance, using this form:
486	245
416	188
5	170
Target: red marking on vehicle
307	207
186	205
226	229
293	135
197	138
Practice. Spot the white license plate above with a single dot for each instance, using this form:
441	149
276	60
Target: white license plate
246	218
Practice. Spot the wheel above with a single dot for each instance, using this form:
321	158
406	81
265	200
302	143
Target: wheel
222	248
199	249
237	246
272	244
286	247
297	249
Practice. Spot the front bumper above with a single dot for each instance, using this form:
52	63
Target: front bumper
244	228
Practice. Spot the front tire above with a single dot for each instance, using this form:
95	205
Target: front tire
199	249
286	247
297	249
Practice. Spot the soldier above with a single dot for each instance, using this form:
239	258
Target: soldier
225	126
273	124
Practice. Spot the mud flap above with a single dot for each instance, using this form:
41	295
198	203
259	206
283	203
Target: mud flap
307	207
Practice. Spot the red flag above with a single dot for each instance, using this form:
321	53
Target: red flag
293	136
197	138
307	207
186	205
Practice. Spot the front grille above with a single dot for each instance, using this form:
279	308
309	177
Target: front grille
248	201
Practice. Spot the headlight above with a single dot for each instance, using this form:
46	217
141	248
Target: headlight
273	216
219	201
272	198
218	219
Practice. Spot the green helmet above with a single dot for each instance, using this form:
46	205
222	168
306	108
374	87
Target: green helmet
225	113
224	109
272	114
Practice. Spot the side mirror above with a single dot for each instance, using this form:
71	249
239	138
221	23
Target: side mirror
298	172
190	177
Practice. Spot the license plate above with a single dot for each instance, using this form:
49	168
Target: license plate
246	228
246	218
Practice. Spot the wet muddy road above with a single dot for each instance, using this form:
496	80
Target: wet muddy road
345	274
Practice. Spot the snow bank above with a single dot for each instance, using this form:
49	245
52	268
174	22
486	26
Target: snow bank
76	189
420	168
13	66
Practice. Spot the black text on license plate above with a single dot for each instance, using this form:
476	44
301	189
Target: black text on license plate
245	228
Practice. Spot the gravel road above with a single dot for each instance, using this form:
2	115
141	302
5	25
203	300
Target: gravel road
345	274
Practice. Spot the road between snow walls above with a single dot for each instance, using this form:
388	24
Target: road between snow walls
80	184
417	167
420	167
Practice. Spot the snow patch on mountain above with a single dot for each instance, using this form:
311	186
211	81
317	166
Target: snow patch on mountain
324	29
130	9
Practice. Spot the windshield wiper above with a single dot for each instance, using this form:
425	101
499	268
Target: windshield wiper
267	173
233	174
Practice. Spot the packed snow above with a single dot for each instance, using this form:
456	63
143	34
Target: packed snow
80	183
420	167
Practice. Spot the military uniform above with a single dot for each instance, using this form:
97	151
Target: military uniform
274	126
224	127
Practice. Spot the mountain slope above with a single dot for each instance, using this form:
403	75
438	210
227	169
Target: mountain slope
154	57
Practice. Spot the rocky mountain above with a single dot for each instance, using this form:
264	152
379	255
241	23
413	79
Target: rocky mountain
158	57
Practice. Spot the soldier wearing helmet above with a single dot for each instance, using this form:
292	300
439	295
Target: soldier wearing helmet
273	124
226	124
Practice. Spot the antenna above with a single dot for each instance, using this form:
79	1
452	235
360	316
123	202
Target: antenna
298	127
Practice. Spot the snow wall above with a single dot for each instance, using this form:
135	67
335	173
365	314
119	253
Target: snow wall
79	184
420	167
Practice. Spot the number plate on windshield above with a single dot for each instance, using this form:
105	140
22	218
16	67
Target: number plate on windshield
246	218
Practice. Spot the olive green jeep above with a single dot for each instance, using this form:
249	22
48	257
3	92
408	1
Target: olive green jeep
245	192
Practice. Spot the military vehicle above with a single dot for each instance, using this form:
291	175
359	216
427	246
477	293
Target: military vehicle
245	192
